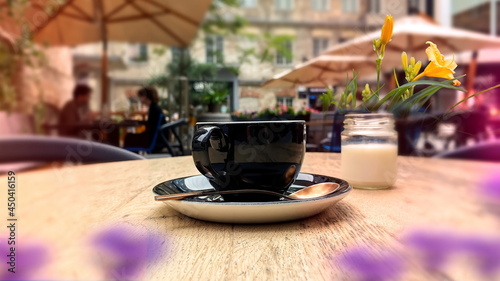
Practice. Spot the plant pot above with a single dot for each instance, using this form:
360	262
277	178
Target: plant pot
214	117
239	118
266	117
305	117
214	108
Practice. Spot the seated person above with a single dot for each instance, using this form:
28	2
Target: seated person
75	113
148	96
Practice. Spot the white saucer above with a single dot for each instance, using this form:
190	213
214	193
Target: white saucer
214	209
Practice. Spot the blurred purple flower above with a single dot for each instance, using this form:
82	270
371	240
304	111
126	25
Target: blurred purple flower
126	251
29	257
370	265
434	247
490	192
485	252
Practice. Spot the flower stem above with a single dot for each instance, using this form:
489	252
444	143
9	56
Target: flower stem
379	67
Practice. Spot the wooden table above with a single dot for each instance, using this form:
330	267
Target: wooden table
63	206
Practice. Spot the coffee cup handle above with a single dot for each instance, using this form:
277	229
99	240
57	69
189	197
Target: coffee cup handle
204	138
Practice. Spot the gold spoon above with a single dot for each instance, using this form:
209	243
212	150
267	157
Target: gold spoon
313	191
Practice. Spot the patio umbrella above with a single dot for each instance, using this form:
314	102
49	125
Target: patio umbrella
167	22
484	56
323	71
410	35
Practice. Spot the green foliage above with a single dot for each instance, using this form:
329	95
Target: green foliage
8	63
202	71
184	65
328	98
396	101
180	64
273	44
277	111
346	100
160	81
214	93
222	20
218	21
282	111
22	51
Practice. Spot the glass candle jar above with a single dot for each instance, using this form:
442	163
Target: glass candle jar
369	150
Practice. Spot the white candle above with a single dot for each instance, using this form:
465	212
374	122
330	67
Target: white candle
369	165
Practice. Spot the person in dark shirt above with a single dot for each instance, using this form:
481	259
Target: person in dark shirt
148	96
75	113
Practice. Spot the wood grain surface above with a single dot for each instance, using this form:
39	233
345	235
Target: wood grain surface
64	206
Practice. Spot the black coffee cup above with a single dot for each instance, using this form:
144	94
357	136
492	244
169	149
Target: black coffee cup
263	155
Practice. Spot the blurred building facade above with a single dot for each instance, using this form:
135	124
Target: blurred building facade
478	15
313	26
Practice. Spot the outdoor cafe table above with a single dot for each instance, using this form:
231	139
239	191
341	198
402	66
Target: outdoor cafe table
63	206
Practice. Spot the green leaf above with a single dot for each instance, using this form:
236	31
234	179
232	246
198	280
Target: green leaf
398	92
327	99
471	96
396	78
417	99
390	95
351	88
354	89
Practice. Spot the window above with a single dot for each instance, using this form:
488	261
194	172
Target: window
413	7
320	5
350	6
284	54
284	5
139	52
374	6
285	101
319	45
248	3
214	47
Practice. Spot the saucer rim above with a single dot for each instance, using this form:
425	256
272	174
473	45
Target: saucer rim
345	189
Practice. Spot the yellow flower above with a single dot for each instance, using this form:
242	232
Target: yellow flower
412	69
404	60
438	65
434	54
386	34
367	92
385	37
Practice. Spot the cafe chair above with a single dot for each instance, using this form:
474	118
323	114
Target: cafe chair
171	129
153	144
485	151
31	148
